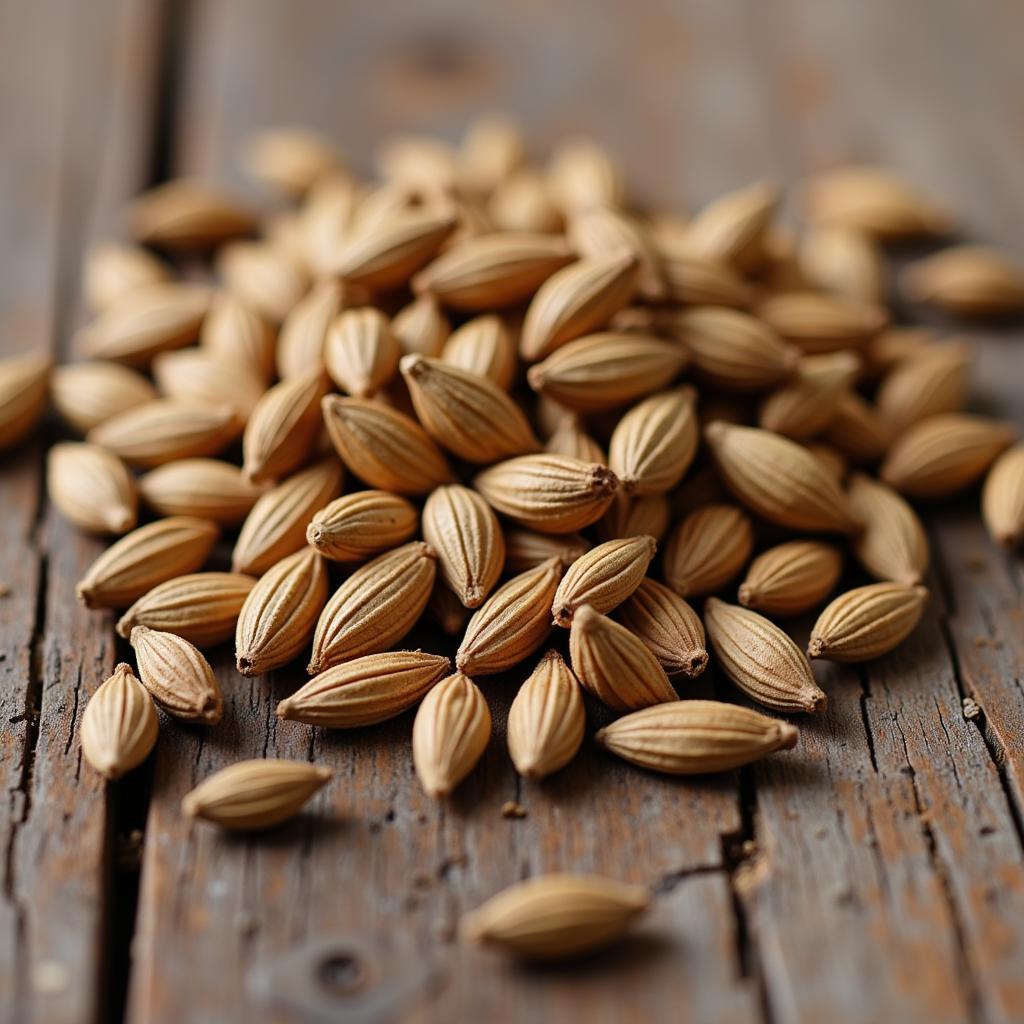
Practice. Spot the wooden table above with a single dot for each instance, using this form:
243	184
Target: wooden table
876	874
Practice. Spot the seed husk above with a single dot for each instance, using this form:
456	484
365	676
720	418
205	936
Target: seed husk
928	383
761	659
1002	498
188	214
602	231
386	253
967	280
867	622
263	276
280	613
492	148
569	438
694	737
708	549
493	271
366	690
147	556
375	607
635	516
276	526
521	204
23	386
483	346
576	300
605	370
583	176
460	526
383	447
817	323
254	795
857	430
546	721
734	351
119	725
283	428
556	917
358	526
732	228
201	375
614	665
112	270
806	405
92	487
289	159
669	627
791	578
654	443
203	488
779	479
549	493
603	577
303	336
144	322
893	544
167	429
466	413
177	676
449	734
512	623
844	261
87	394
422	327
237	333
526	549
362	352
944	454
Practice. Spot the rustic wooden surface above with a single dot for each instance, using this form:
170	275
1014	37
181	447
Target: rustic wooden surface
874	874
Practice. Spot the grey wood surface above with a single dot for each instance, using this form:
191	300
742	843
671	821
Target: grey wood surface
874	874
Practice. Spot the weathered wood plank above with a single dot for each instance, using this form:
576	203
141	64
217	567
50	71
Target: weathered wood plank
76	95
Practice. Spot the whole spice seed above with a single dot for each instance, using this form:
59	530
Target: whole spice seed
145	557
200	607
654	443
761	659
201	375
669	627
188	214
778	479
603	577
291	160
580	298
280	613
893	544
512	623
944	454
708	549
857	430
694	737
235	332
601	231
325	219
167	429
844	261
546	721
450	734
366	690
602	371
571	439
375	607
867	622
203	488
483	346
549	493
525	549
383	447
91	487
253	795
422	327
303	335
791	578
177	676
1002	499
629	516
807	405
283	427
732	228
492	149
460	526
614	665
732	350
276	526
521	204
112	270
88	394
934	381
967	280
358	526
362	352
467	414
816	322
119	725
264	276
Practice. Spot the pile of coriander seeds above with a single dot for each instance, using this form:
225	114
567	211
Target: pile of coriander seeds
491	392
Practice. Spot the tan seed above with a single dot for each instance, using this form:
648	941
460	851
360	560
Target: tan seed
603	577
87	394
23	383
422	327
303	336
668	626
844	261
112	270
492	148
653	445
732	228
201	375
857	430
935	380
806	405
526	549
325	219
602	231
362	352
205	488
238	334
484	346
695	280
358	526
761	659
967	280
119	725
583	176
177	676
816	322
571	439
91	487
521	204
283	428
254	795
263	276
635	516
893	544
289	159
1002	499
708	549
791	578
188	214
867	622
